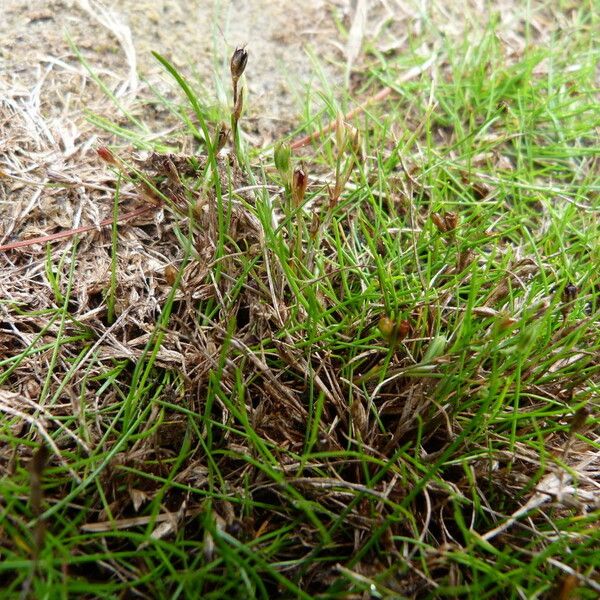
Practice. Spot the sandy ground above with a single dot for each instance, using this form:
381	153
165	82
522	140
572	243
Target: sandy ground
46	91
117	37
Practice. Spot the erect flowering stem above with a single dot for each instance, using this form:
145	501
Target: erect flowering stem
349	151
235	117
299	185
239	59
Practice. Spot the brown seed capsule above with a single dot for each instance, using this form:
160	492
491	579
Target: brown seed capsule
170	274
439	222
107	156
239	59
451	221
569	293
402	329
299	185
465	258
222	137
393	331
579	419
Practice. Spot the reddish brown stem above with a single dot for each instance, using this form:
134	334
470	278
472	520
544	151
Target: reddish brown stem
71	232
384	93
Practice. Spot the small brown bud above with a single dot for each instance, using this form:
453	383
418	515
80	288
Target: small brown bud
239	59
569	293
107	156
579	419
439	222
402	329
222	137
170	274
446	222
393	331
299	185
451	221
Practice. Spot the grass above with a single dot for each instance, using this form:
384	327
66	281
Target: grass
329	398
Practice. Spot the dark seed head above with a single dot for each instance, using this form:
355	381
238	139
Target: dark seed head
299	185
579	419
106	155
439	222
451	221
222	137
569	293
238	62
235	529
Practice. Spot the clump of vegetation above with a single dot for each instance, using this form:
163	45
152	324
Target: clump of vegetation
367	368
